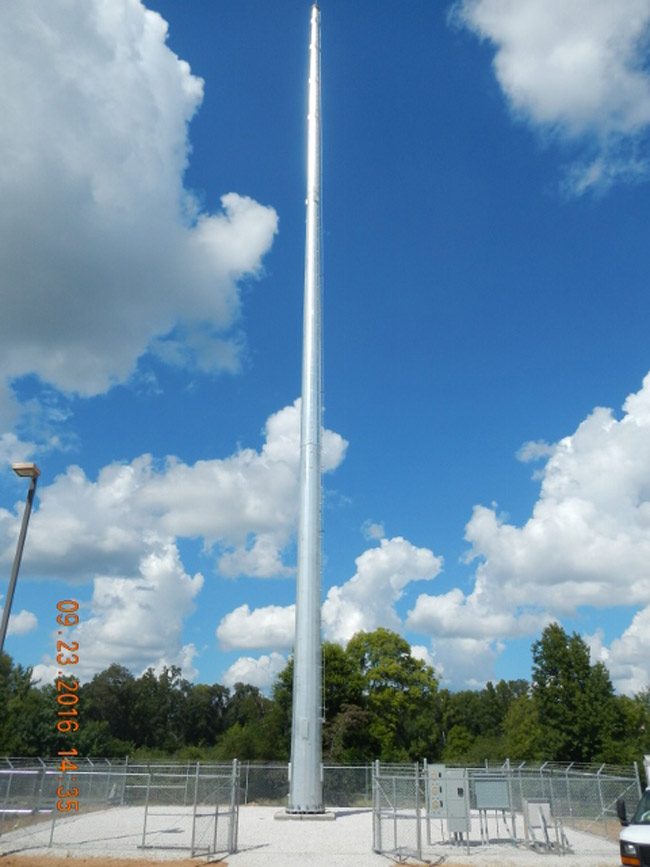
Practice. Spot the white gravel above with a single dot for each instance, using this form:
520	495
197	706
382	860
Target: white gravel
265	841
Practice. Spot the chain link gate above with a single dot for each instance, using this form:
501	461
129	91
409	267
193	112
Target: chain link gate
398	799
209	816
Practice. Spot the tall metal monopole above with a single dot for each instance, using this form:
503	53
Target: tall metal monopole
305	794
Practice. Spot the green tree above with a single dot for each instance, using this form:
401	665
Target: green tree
159	705
246	704
459	744
632	737
342	681
27	713
249	726
346	737
342	693
575	700
95	738
523	737
205	713
460	709
108	698
400	694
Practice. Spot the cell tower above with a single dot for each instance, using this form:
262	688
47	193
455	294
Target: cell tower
306	788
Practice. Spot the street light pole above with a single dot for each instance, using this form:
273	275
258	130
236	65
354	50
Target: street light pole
32	472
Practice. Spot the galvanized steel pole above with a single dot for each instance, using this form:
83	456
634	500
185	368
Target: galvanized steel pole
33	477
305	793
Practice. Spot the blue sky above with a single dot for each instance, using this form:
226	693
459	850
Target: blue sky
485	290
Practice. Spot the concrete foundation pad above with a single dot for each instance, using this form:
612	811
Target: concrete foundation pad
285	816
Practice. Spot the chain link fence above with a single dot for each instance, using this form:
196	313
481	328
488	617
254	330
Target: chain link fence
582	796
194	805
416	808
267	784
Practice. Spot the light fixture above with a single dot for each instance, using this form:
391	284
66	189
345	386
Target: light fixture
26	470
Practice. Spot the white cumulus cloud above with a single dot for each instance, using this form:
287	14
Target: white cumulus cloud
586	543
363	603
136	620
577	69
260	672
368	599
269	626
102	250
245	504
454	615
22	622
418	651
627	656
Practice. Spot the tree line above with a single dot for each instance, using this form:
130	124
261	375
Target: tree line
379	701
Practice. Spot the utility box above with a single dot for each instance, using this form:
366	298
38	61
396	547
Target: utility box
492	794
456	801
436	791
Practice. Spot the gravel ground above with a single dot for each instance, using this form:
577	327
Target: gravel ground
263	840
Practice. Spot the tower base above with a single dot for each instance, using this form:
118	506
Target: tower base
285	815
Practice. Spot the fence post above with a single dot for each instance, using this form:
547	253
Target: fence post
126	771
541	778
427	799
196	796
600	790
418	829
146	808
394	814
7	791
638	778
232	825
54	812
40	791
550	786
376	816
568	788
92	772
